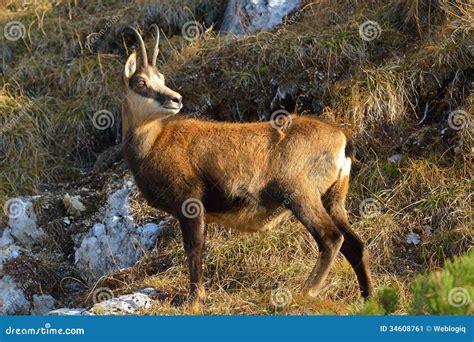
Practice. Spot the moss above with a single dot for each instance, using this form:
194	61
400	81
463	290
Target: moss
390	169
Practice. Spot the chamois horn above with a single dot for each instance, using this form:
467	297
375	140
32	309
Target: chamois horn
156	49
142	45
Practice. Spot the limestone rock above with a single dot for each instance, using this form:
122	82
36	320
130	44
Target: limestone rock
70	312
12	298
243	16
116	243
126	304
42	304
73	204
22	222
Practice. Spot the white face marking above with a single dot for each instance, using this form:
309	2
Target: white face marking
146	107
156	82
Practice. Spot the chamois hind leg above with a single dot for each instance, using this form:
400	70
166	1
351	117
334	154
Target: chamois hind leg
353	248
193	241
309	210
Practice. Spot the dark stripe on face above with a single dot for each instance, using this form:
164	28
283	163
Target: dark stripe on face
147	91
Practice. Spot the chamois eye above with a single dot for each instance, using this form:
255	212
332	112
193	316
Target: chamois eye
141	84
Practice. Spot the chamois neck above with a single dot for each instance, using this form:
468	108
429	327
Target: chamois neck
146	133
142	128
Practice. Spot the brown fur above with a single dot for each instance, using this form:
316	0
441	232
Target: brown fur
246	176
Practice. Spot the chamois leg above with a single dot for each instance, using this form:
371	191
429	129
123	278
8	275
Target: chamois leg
353	248
193	241
309	210
354	251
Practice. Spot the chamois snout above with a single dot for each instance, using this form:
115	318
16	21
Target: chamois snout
170	100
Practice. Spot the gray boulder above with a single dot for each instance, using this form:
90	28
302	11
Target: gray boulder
243	16
8	248
123	305
116	243
70	312
22	222
12	298
42	304
17	238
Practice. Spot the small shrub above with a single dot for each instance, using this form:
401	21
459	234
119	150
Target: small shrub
385	302
446	292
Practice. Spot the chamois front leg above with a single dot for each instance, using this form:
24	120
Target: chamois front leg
192	229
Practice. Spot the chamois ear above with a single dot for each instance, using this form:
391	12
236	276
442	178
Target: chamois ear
130	66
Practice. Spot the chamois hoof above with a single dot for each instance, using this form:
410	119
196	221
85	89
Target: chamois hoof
195	300
201	294
310	293
194	307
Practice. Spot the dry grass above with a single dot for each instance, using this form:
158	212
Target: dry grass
393	94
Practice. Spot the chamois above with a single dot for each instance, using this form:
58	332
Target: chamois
237	174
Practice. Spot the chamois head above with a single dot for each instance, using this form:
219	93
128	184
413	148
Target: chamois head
146	95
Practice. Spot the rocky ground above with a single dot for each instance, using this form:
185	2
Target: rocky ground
100	236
